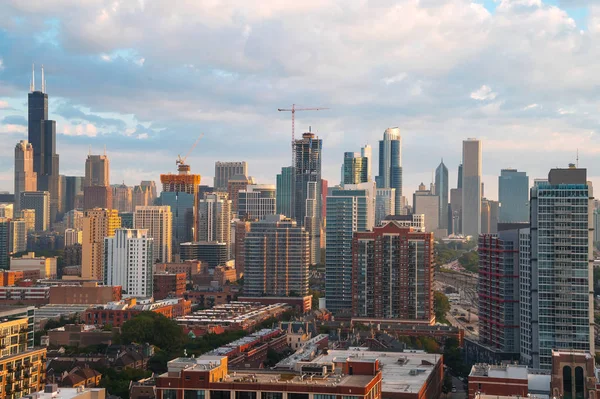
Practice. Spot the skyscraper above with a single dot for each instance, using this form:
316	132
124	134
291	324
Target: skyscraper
456	211
97	197
392	274
71	187
25	177
442	189
285	192
236	184
225	171
459	183
471	191
39	201
7	211
489	216
149	186
4	243
128	261
158	221
367	152
513	194
257	201
390	164
355	168
17	236
276	258
97	225
427	203
42	136
557	311
214	219
385	204
97	171
122	197
307	169
349	210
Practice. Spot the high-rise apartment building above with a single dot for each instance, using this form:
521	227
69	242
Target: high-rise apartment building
4	243
390	164
225	171
214	219
414	221
97	171
392	274
256	202
28	215
349	210
42	136
277	258
355	169
97	225
212	252
557	304
40	202
425	202
471	190
17	236
385	204
307	169
182	209
122	198
513	194
25	176
7	211
73	219
128	262
236	184
285	192
241	229
71	188
158	221
73	237
498	291
442	189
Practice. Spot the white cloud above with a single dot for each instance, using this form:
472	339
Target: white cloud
483	93
563	111
140	61
80	130
530	106
1	64
142	136
106	57
4	104
394	79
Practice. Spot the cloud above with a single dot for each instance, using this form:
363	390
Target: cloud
4	104
80	130
14	120
1	64
530	106
483	93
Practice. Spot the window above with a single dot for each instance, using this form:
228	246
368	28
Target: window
169	394
567	382
271	395
317	396
221	395
245	395
297	396
193	394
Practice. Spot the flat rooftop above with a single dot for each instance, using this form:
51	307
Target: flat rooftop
515	372
70	393
270	377
401	371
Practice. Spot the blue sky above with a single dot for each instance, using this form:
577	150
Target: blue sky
145	78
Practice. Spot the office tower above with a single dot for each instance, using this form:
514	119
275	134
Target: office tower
158	221
471	191
71	188
139	197
122	197
73	237
427	203
513	194
213	253
285	191
256	202
596	220
149	186
25	176
489	216
349	210
97	171
236	184
204	189
307	169
556	284
182	209
367	152
459	183
7	211
39	201
97	225
456	211
73	219
241	229
355	168
28	215
4	243
127	219
498	291
97	197
390	164
225	171
128	262
277	258
442	189
214	219
324	191
392	274
42	136
17	236
312	222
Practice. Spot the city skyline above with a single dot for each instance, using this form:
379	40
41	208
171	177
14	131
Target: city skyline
489	98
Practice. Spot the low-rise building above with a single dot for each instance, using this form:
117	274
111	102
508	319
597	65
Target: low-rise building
302	304
117	313
33	295
212	296
29	262
51	391
86	293
80	335
82	377
189	267
169	285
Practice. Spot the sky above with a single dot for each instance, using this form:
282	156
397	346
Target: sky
144	78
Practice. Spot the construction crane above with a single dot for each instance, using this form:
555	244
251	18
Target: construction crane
181	161
293	111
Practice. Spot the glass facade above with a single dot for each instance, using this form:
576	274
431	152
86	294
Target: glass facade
513	194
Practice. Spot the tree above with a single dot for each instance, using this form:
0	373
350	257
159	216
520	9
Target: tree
155	329
470	261
441	306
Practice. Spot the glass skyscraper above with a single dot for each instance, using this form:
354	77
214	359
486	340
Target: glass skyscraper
513	194
390	164
442	189
285	191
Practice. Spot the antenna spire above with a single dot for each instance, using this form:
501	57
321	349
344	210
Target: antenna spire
43	81
32	78
578	158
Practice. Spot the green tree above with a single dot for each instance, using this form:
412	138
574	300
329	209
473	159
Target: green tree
155	329
441	306
470	261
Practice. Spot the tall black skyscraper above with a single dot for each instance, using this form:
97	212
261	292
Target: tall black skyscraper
441	190
42	136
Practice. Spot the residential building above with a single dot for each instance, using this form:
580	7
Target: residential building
122	196
17	236
128	261
285	192
97	171
25	176
236	184
425	202
213	253
241	230
80	335
45	265
277	258
88	293
390	164
307	169
127	219
349	210
225	171
416	222
169	285
442	189
7	211
356	167
556	275
214	219
73	237
97	225
256	202
158	221
490	211
39	201
71	188
471	190
392	274
41	133
4	242
26	295
73	219
385	204
117	313
97	197
513	194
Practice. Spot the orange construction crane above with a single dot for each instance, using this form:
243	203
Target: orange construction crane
293	111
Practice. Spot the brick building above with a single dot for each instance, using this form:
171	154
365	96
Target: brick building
189	267
88	293
118	313
169	285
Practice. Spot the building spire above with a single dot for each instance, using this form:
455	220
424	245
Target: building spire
32	78
43	81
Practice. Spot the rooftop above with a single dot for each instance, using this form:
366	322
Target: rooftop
53	392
